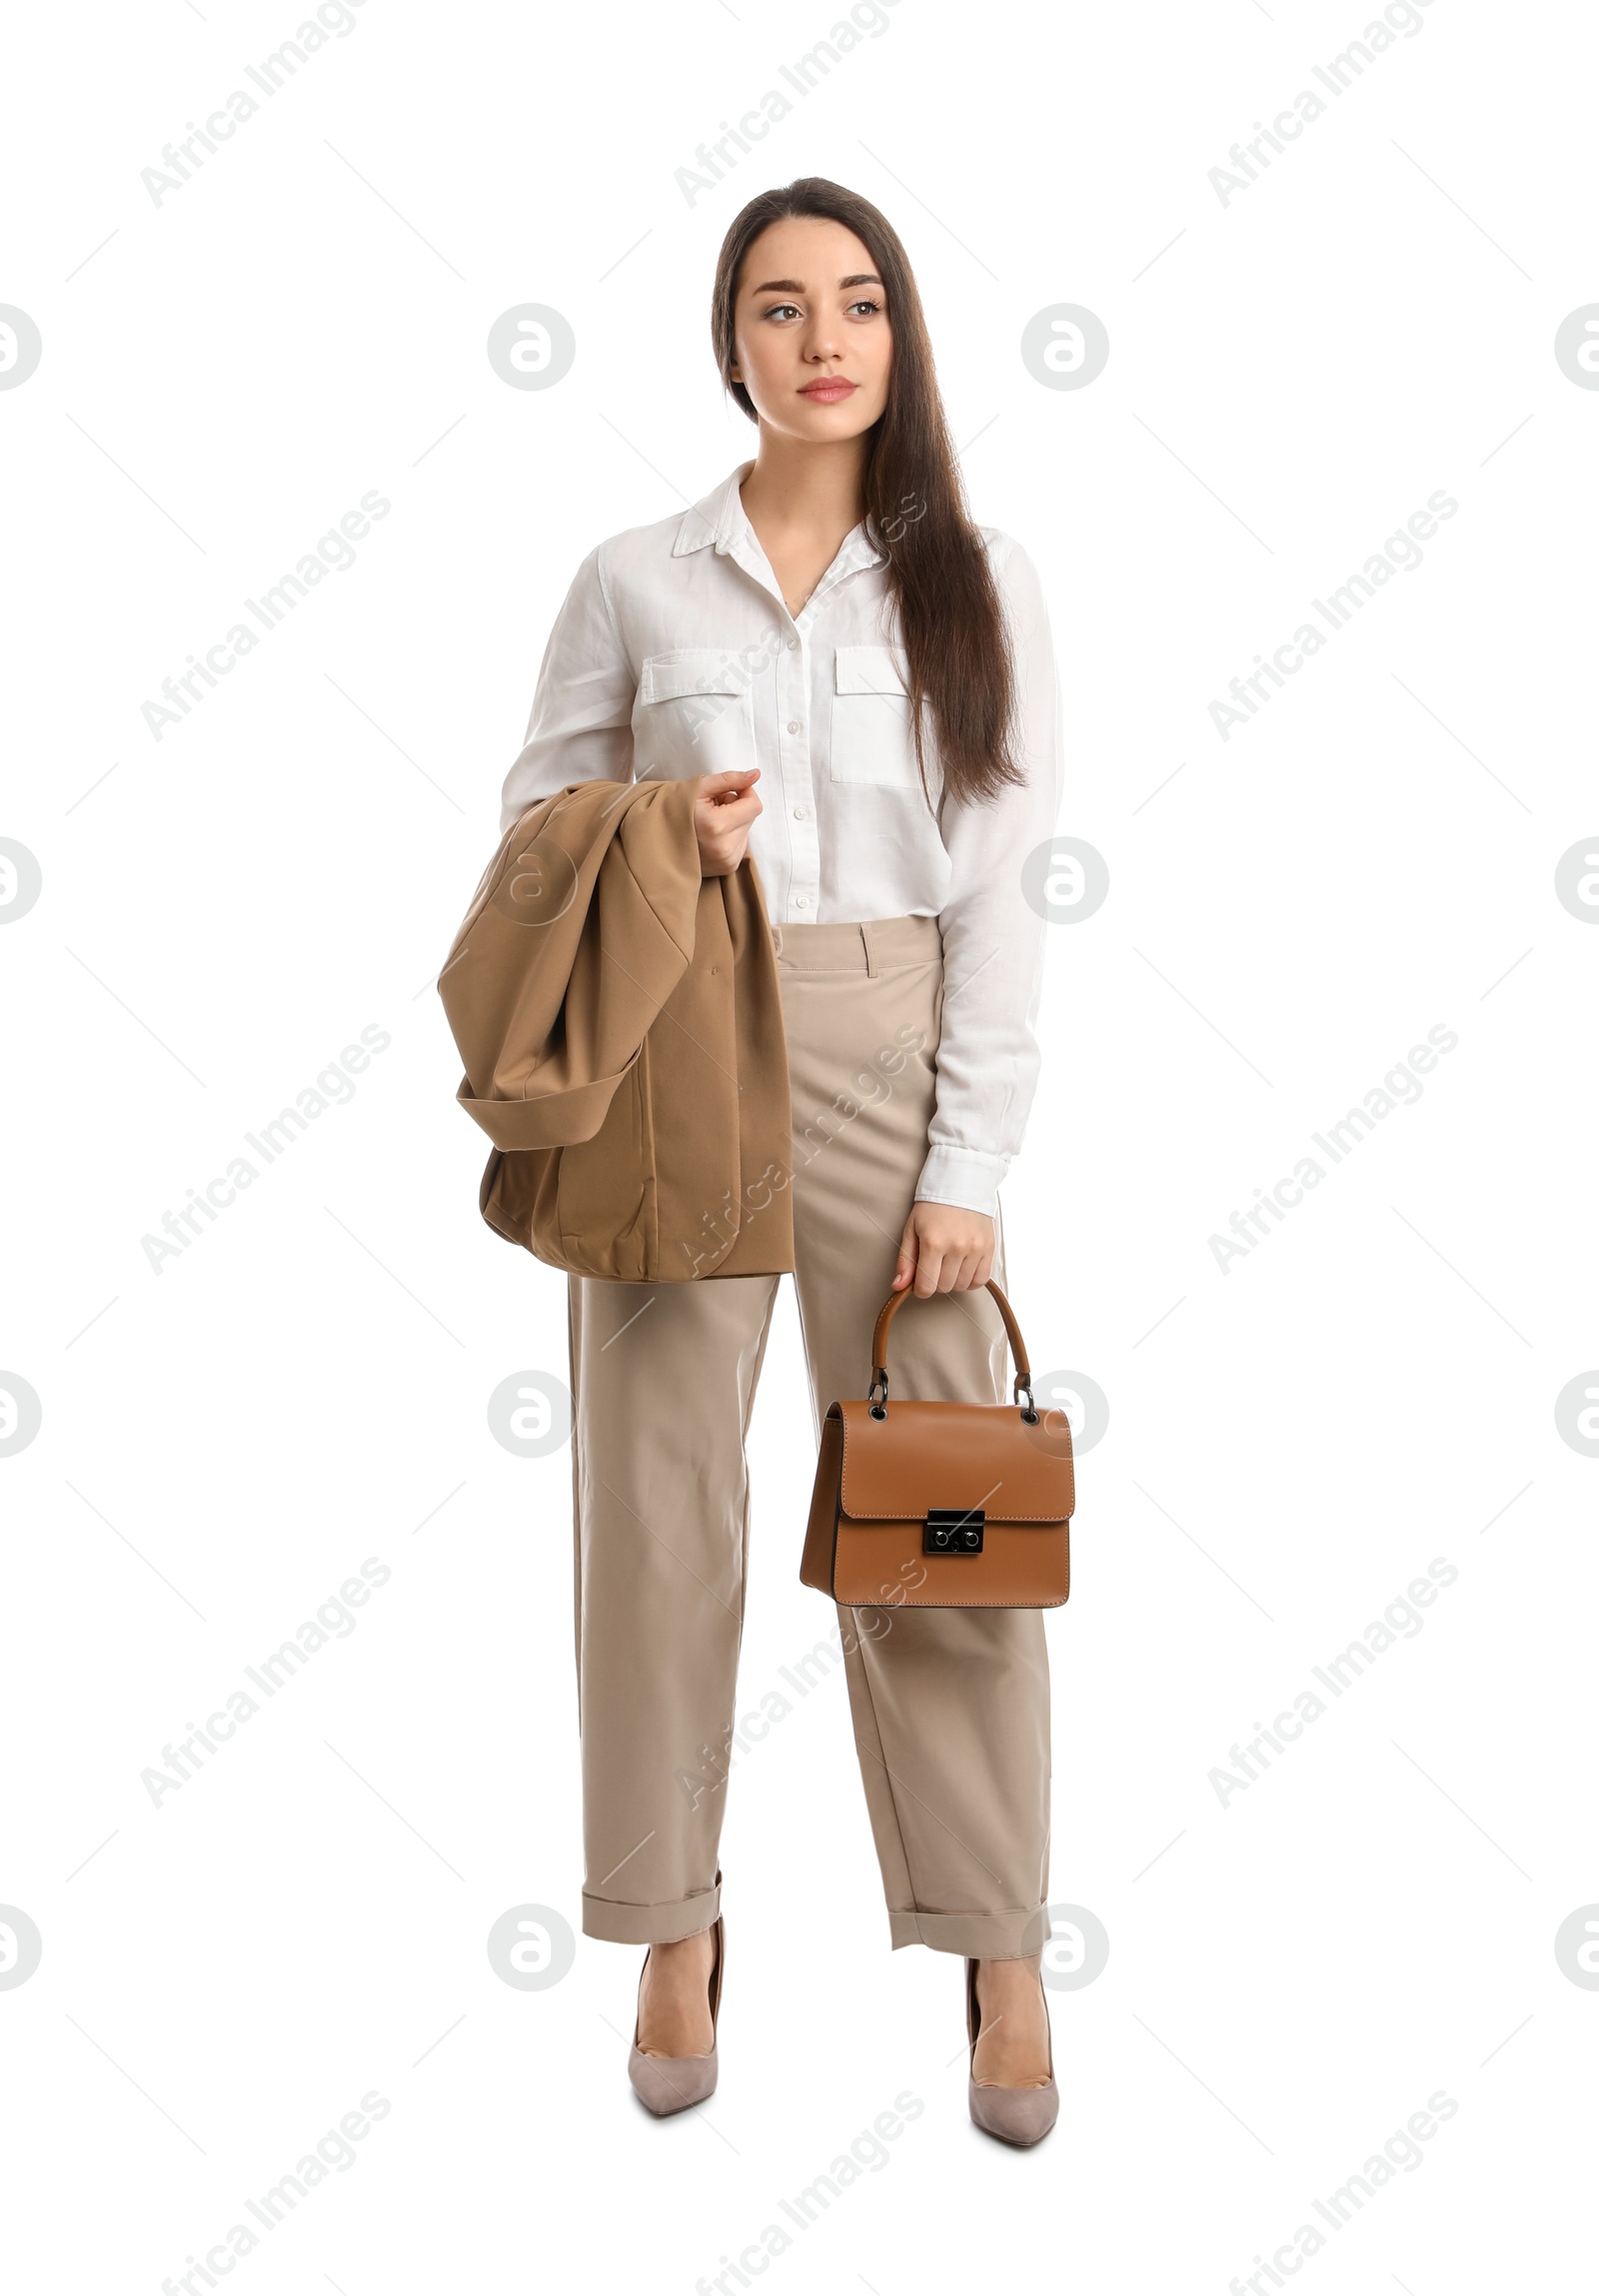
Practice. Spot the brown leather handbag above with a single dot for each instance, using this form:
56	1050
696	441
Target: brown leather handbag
942	1505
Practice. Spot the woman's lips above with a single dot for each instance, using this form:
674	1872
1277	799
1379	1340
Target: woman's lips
827	394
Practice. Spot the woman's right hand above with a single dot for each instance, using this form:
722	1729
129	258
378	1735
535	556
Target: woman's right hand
724	806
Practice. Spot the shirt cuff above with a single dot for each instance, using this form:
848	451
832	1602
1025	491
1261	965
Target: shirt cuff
964	1176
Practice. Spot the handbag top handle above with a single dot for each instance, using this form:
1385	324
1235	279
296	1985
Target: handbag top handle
877	1394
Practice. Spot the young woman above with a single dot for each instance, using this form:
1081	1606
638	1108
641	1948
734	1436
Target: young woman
863	682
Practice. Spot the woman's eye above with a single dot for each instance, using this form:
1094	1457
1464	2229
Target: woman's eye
779	309
866	304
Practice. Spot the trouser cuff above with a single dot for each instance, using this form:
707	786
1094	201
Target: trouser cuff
624	1924
1005	1936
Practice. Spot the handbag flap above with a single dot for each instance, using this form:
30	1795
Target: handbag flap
927	1455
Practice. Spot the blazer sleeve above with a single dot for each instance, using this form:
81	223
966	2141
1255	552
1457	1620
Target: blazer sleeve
581	725
993	941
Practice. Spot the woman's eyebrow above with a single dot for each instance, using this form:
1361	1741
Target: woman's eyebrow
797	286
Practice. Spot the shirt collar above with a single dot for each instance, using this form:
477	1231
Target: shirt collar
718	518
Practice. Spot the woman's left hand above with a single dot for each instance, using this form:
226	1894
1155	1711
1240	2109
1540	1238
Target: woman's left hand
945	1247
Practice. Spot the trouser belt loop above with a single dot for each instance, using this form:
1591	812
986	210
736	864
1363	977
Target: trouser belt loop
872	954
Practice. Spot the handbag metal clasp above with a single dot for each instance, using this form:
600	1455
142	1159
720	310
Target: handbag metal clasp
953	1531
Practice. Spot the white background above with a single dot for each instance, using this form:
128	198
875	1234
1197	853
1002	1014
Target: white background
1291	1443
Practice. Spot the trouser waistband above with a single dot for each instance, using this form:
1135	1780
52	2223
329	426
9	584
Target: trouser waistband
869	947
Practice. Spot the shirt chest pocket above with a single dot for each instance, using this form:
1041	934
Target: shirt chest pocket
695	713
870	738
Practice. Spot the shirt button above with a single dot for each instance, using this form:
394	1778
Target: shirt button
801	900
794	726
792	643
801	813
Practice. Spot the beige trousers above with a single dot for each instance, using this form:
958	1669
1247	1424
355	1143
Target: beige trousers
950	1707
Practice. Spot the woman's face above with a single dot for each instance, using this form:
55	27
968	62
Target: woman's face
810	318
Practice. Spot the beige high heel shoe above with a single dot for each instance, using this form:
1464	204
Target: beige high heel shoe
1015	2116
672	2084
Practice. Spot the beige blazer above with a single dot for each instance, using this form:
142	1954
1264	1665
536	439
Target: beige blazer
621	1024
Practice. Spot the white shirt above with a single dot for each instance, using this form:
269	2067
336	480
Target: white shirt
675	654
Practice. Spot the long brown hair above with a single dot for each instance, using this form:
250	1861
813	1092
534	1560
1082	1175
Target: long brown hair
956	646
